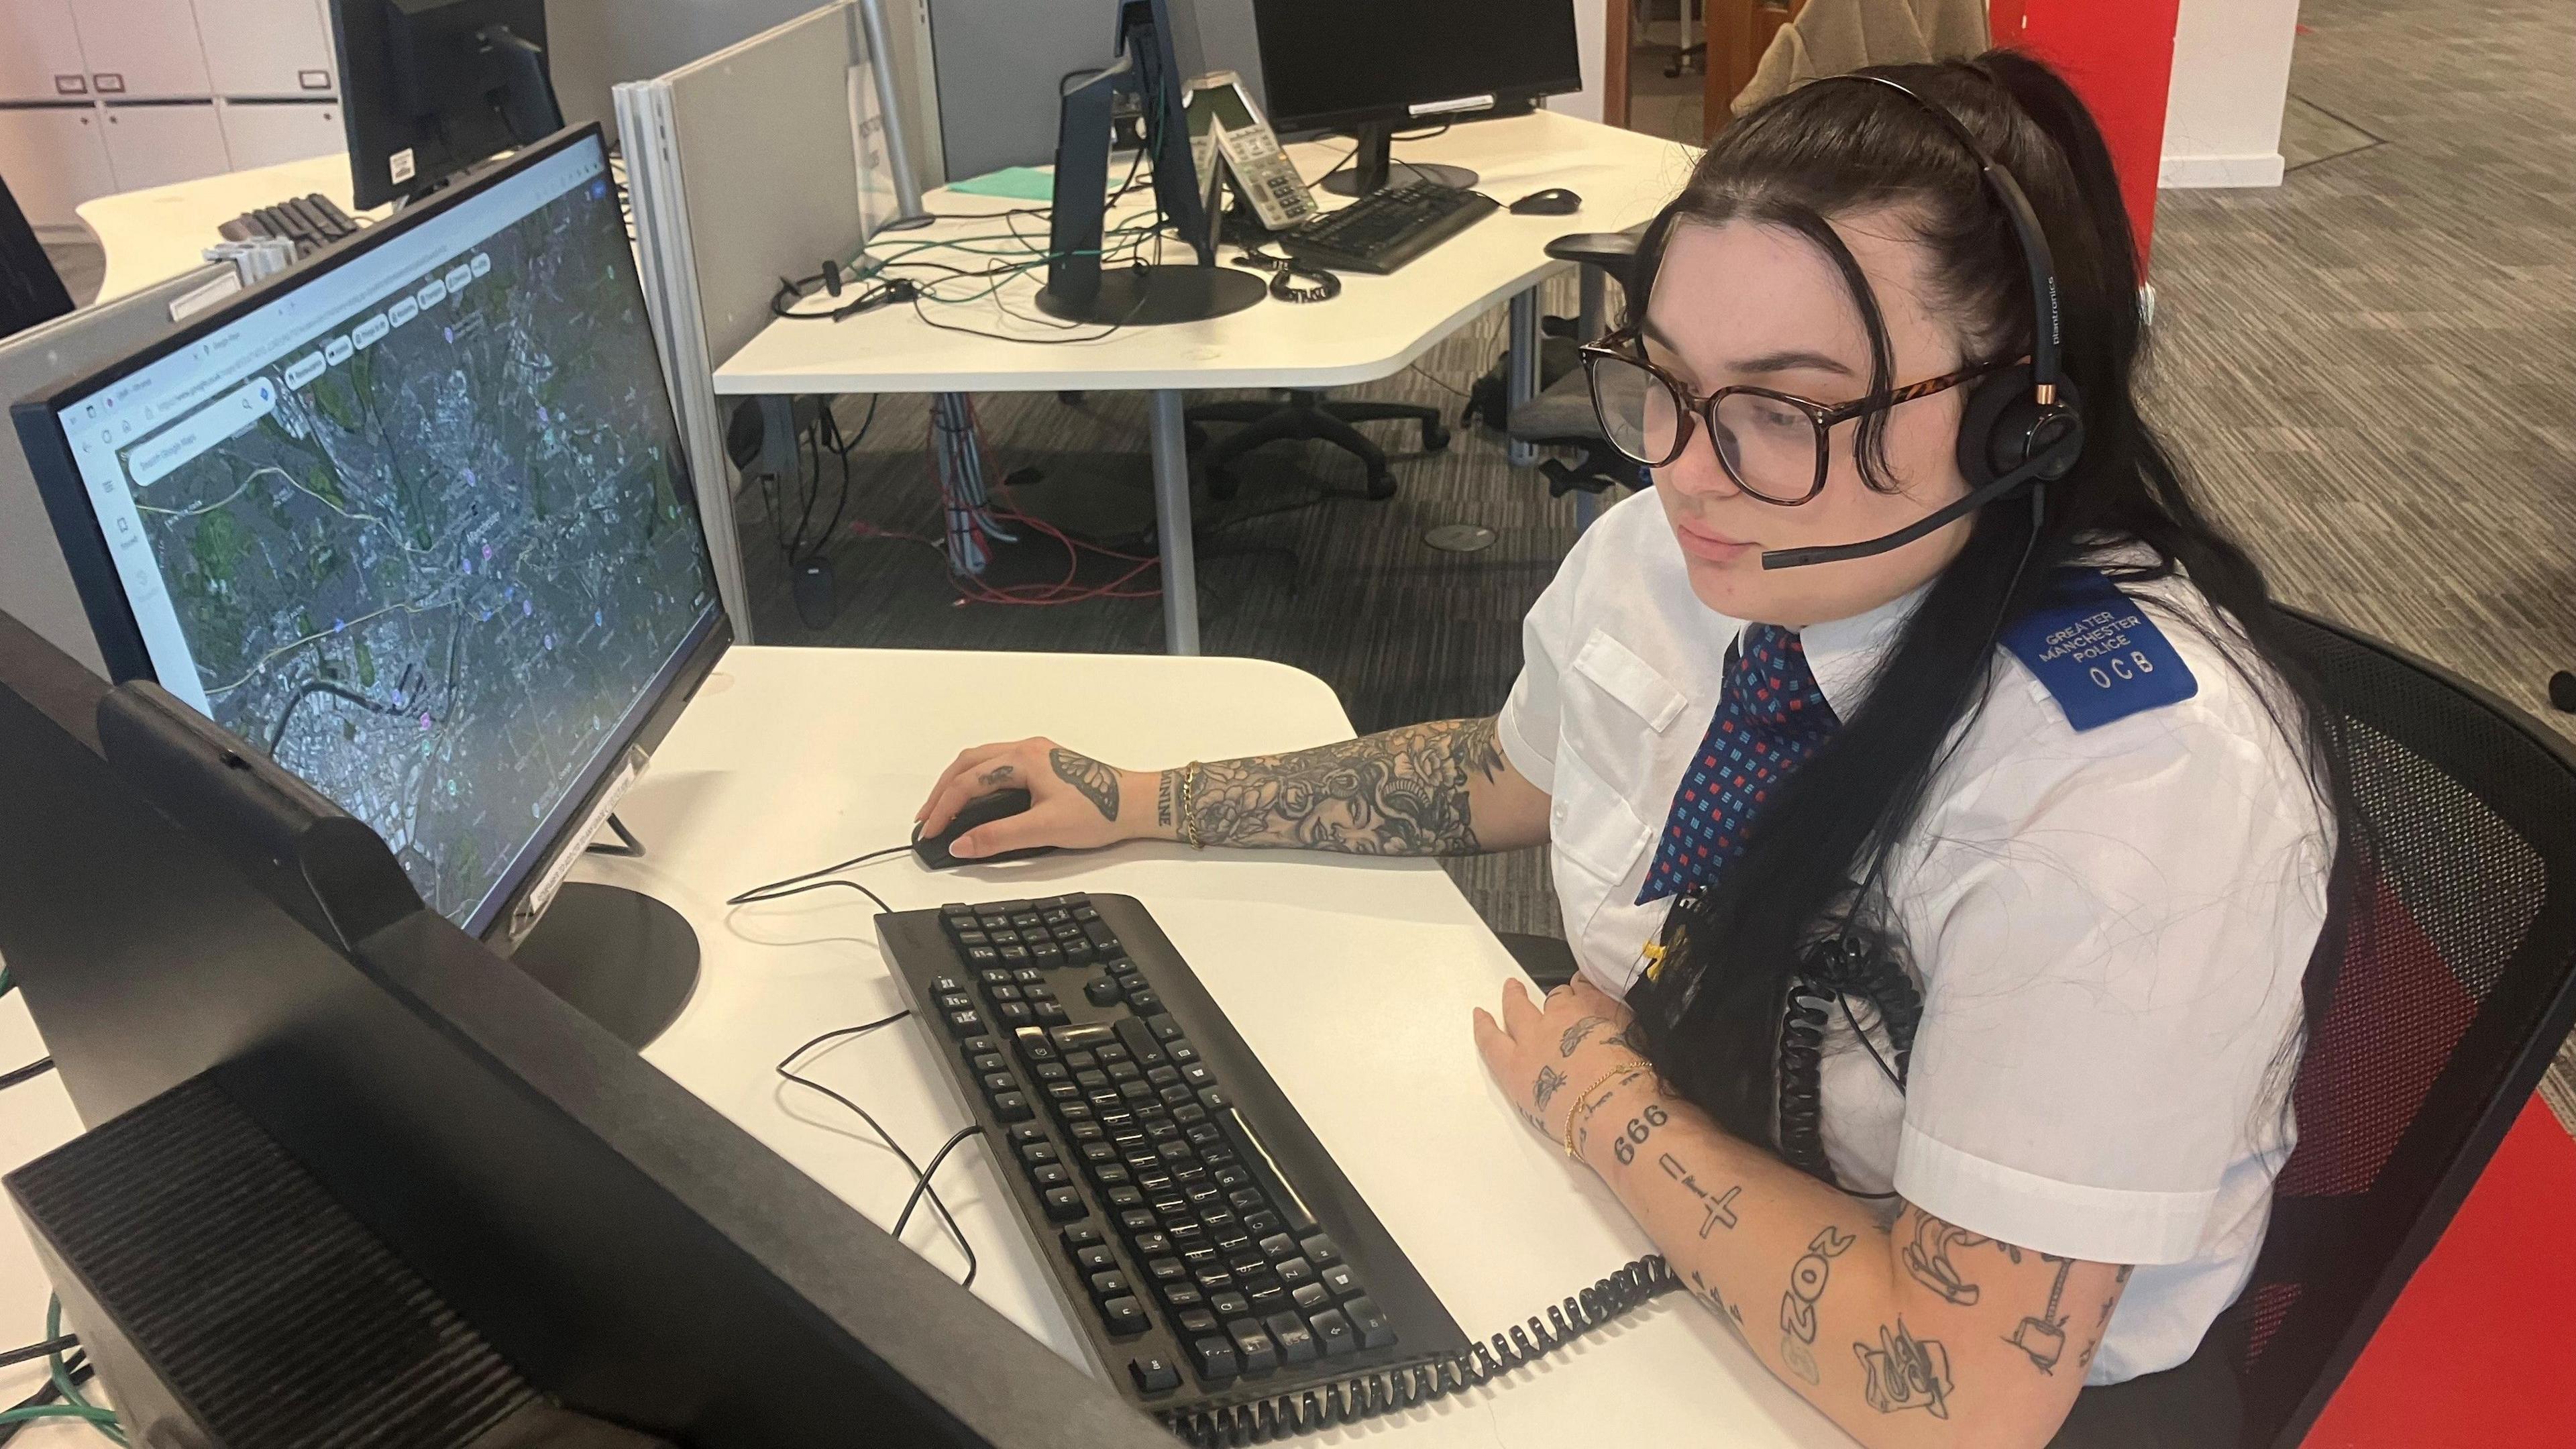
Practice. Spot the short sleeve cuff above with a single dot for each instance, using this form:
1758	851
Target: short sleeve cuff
1536	765
2071	1220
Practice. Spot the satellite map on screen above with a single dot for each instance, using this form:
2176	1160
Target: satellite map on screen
454	549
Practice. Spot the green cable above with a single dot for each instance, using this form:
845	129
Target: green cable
102	1417
73	1405
6	985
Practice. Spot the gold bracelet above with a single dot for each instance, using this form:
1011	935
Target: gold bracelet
1623	1072
1189	795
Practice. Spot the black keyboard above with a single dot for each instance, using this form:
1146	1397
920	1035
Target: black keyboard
311	222
1198	1234
1385	229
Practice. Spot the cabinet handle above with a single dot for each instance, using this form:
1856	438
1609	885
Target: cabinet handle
109	82
71	85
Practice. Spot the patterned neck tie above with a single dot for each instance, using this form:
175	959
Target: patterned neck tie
1770	717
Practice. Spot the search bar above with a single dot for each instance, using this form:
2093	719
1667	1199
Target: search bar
214	423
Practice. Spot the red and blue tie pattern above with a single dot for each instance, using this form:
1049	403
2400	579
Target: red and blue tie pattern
1770	717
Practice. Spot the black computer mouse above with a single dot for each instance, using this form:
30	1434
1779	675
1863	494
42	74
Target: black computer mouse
1555	201
983	810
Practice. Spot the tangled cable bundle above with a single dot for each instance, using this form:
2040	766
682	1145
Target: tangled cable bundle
1388	1390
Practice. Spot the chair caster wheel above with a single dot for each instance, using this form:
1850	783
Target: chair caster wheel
1381	486
1435	438
1222	485
2562	690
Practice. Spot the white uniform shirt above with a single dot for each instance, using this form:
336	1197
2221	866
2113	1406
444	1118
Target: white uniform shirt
2109	926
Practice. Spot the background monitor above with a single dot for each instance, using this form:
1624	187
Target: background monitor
414	520
1373	67
430	88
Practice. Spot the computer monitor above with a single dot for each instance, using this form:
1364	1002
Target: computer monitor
414	519
1079	287
431	88
1372	67
31	291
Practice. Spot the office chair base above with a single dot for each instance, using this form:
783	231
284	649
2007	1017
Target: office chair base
2562	691
619	957
1307	415
1157	296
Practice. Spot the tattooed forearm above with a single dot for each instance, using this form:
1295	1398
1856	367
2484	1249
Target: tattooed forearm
1927	1257
1166	791
1097	782
1403	792
2043	1335
1721	1210
1550	1082
1807	1279
1905	1372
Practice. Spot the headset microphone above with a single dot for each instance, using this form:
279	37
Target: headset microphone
2048	467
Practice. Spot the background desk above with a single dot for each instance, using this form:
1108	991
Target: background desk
1375	327
162	231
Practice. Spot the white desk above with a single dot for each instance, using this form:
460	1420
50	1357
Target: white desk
164	230
1352	978
1374	328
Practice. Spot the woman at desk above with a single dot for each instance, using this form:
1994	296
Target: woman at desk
1941	908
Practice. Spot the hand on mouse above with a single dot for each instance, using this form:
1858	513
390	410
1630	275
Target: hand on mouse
1075	801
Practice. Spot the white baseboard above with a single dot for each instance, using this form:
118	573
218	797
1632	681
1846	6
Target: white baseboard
2186	172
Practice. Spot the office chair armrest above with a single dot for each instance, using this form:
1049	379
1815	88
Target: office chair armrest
1611	251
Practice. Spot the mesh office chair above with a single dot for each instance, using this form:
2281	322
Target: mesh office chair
1306	414
2456	984
1561	416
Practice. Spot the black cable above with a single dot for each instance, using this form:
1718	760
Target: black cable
1390	1390
75	1368
46	1349
763	892
931	1171
786	1069
754	898
27	1073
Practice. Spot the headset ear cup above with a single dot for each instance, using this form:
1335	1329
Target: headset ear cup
1988	446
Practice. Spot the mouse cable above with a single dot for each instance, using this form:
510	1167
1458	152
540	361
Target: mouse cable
47	1349
27	1073
787	1069
776	890
931	1170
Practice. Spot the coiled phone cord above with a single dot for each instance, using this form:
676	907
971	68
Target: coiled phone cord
1390	1390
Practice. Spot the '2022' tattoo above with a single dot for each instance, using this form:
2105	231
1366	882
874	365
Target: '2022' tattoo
1807	1279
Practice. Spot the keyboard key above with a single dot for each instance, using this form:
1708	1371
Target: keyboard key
1034	1045
945	986
1079	952
1263	1223
1319	1250
1012	1107
1000	1082
1154	1245
1101	991
1267	1297
1229	1305
1312	1297
1197	1075
1079	1237
1036	1154
1165	1075
1081	1129
1246	1200
1047	953
1335	1333
1117	1072
1296	1272
1164	1270
1296	1341
1024	1133
1184	1298
1196	1320
1014	1013
1052	1175
999	995
1120	1199
1340	1278
1098	932
965	1023
1063	1205
1095	1259
1136	1220
1213	1358
1253	1346
1163	1027
1231	1178
1373	1327
1153	1375
1110	1284
1145	1003
1180	1051
980	1046
1050	1013
1028	976
1124	1316
1278	1246
1083	1038
1106	1175
984	1062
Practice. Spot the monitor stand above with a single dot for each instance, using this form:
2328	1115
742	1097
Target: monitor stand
1375	159
617	956
1158	295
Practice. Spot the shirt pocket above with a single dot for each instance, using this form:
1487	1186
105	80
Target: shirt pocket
1617	707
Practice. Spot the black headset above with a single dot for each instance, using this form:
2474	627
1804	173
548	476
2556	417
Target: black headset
2023	425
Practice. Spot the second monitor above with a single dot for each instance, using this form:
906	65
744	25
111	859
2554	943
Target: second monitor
1373	68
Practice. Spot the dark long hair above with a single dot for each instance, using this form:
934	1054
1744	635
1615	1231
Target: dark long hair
1833	149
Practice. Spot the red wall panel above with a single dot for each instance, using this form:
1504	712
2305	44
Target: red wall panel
2118	54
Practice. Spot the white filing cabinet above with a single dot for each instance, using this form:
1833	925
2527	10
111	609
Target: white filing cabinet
55	158
267	48
71	72
40	53
264	133
154	145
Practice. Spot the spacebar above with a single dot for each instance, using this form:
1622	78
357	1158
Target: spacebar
1274	1184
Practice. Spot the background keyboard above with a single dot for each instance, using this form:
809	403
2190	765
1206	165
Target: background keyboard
1197	1232
1385	229
311	222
